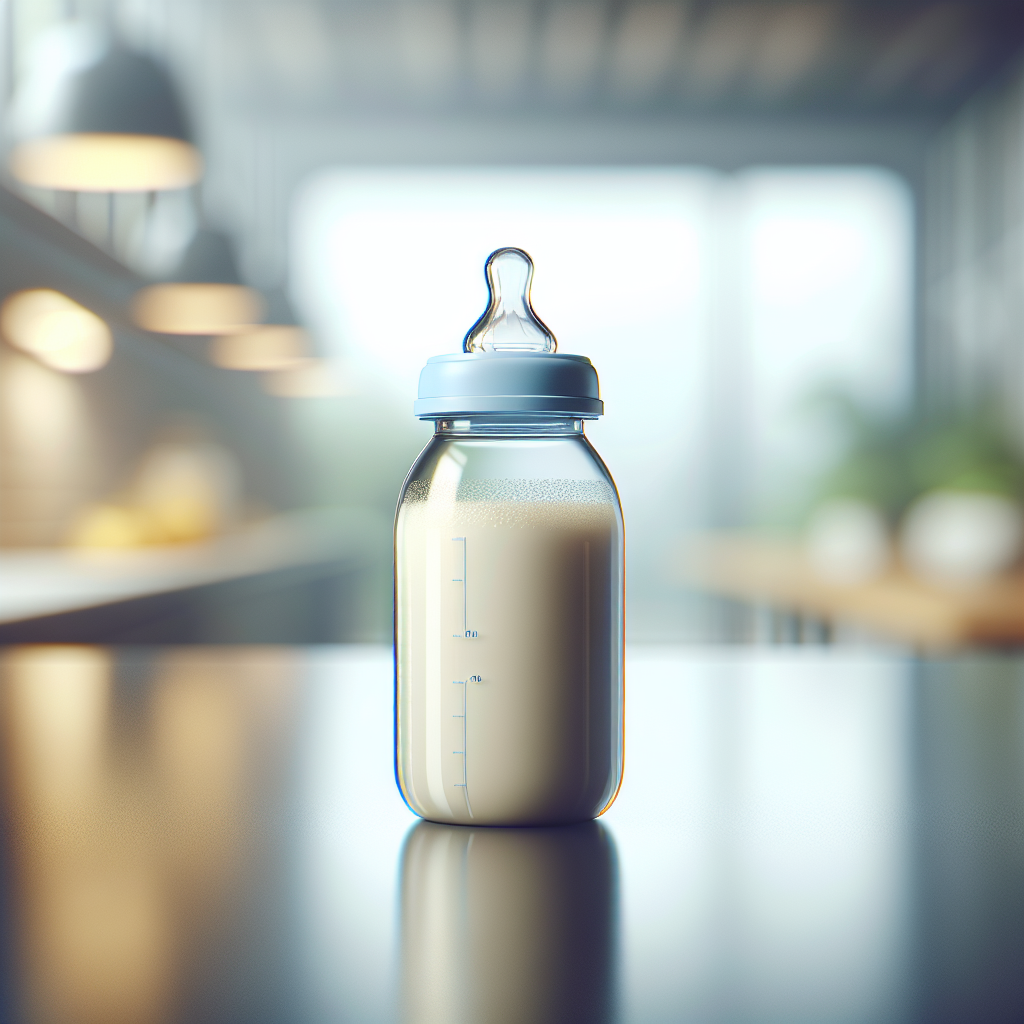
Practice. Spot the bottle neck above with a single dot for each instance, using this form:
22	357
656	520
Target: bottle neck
520	424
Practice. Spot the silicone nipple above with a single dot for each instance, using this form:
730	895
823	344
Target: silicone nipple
509	324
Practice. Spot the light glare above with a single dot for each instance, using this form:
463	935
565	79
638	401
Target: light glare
56	330
98	162
197	308
313	378
274	347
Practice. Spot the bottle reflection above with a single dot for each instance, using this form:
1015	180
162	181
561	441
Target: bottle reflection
509	924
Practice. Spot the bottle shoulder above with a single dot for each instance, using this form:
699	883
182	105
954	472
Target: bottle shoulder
552	458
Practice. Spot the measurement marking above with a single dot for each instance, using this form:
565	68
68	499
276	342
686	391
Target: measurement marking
465	743
466	634
465	586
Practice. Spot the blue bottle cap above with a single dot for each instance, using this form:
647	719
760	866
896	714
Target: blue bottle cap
509	362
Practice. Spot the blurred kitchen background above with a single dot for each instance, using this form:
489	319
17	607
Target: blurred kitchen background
789	234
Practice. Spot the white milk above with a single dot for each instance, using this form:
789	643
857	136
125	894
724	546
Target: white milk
509	650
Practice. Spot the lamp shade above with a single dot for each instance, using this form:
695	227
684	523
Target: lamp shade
209	258
101	118
280	311
205	296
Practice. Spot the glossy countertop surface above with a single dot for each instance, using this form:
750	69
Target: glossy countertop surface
214	834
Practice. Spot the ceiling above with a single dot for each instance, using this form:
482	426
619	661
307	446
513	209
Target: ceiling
704	56
281	88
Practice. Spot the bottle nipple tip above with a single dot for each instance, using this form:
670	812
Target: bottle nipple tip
509	323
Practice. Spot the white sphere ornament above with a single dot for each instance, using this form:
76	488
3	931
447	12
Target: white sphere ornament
847	542
961	536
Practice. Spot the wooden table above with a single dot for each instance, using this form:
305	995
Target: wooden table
775	572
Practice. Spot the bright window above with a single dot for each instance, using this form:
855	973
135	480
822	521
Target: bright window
702	299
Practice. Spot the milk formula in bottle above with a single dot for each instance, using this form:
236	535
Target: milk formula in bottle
508	582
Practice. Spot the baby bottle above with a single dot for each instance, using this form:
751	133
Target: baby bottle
508	582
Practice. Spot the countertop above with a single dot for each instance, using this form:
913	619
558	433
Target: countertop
214	835
39	582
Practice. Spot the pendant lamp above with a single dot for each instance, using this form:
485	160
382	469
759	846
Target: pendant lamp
312	378
94	116
281	343
284	351
205	296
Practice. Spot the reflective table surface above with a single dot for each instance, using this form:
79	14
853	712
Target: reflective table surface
214	834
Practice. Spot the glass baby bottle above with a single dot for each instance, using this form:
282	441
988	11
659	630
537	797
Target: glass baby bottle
508	582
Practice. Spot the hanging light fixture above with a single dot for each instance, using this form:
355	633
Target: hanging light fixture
206	295
310	378
282	349
279	344
93	116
